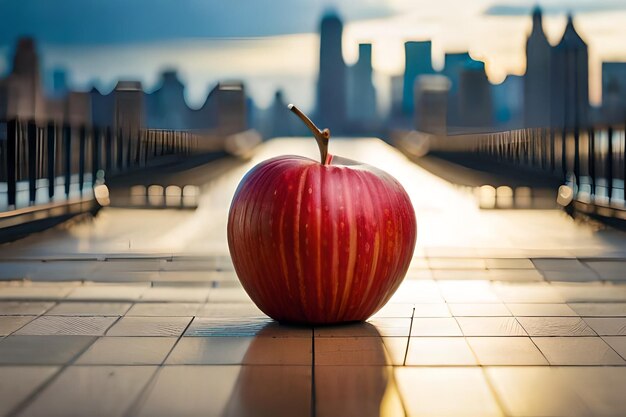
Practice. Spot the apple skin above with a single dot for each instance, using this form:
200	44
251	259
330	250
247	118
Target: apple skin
320	244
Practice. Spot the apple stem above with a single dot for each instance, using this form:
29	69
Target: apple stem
321	136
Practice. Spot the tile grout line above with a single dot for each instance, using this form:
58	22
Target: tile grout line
406	351
135	406
313	393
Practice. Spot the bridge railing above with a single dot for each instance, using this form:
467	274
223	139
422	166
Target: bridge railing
590	161
49	162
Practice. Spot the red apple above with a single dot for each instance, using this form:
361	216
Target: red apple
320	243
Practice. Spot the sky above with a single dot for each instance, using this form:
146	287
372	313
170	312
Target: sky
274	44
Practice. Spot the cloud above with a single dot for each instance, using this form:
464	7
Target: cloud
123	21
555	7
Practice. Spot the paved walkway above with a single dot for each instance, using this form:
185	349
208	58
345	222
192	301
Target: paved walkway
138	313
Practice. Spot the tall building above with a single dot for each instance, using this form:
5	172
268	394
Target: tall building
454	65
614	92
508	102
417	61
431	103
570	80
166	107
537	78
331	84
475	104
361	91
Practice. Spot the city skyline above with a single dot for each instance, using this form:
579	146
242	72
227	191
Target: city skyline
202	62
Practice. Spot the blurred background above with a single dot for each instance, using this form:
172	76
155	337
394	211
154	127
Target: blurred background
529	96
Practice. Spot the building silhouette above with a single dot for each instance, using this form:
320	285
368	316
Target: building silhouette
475	104
570	80
166	107
431	103
454	65
509	102
417	61
614	92
361	91
331	108
537	83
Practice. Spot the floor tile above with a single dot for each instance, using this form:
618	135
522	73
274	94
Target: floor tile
9	324
41	350
609	270
164	309
506	351
590	292
601	388
540	309
468	292
608	326
535	391
68	325
526	292
444	326
432	310
89	309
618	343
479	310
456	263
577	351
403	310
556	326
350	351
204	327
119	293
374	327
513	275
364	391
559	264
230	310
18	382
446	392
439	351
228	295
91	391
230	391
23	308
127	351
32	293
443	275
174	294
241	350
599	309
490	326
412	291
570	276
509	263
149	326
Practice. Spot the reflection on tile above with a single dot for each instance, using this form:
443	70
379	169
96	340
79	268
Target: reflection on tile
618	343
602	388
577	351
23	308
468	292
350	351
230	391
570	276
435	327
509	263
515	275
590	292
460	275
439	351
49	292
599	309
67	325
374	327
89	309
490	326
608	326
9	324
479	310
364	391
127	351
241	350
396	348
446	392
93	390
609	270
456	263
244	327
506	351
42	350
108	292
535	391
526	292
540	309
174	294
228	295
17	382
164	309
149	326
556	326
559	264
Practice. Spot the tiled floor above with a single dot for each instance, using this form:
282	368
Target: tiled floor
440	348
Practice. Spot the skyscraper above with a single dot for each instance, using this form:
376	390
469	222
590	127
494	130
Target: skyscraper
474	97
361	91
614	92
331	84
417	61
537	78
570	80
166	107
